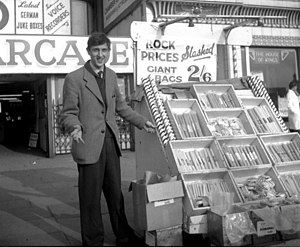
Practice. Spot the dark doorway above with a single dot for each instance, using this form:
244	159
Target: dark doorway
18	112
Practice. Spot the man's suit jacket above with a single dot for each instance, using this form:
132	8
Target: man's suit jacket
83	105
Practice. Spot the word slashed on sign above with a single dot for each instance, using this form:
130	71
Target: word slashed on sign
57	54
175	60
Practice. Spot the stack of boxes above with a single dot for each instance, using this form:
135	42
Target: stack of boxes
158	211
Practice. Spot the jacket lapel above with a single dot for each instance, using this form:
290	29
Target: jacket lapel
92	85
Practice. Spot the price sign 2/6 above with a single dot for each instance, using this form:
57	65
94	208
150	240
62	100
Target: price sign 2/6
197	74
176	59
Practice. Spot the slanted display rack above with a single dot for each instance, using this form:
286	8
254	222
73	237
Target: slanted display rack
212	140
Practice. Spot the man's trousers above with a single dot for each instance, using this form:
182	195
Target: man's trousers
105	175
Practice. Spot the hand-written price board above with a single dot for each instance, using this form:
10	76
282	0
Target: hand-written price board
173	60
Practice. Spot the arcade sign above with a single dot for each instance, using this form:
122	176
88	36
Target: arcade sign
57	54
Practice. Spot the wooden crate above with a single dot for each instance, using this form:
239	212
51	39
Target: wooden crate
171	236
280	138
179	106
197	144
243	141
198	91
235	114
240	176
189	204
250	103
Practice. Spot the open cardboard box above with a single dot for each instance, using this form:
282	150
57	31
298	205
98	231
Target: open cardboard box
157	206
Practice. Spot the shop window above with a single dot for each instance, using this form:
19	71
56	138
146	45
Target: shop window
277	67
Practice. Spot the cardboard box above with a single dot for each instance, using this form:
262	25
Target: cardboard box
217	232
195	224
157	206
171	236
266	232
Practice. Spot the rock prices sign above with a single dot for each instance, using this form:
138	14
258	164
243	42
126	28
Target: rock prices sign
175	60
57	54
35	17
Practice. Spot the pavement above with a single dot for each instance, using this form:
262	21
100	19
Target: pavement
39	199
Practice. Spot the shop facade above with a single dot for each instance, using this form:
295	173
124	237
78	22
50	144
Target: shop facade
252	37
44	40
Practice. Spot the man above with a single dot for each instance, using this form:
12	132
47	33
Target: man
293	108
91	98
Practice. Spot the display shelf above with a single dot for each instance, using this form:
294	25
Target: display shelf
187	119
261	115
216	96
283	148
197	186
229	123
243	151
269	186
290	177
195	155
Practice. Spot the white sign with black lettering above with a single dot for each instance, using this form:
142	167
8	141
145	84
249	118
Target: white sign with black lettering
57	17
57	54
265	228
175	60
29	17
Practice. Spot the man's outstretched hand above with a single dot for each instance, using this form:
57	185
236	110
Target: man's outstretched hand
149	127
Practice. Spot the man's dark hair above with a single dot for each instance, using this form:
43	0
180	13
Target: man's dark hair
97	38
292	84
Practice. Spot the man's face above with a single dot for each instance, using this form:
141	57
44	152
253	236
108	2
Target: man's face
99	55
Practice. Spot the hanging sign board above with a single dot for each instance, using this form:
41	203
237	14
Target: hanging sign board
176	59
39	17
